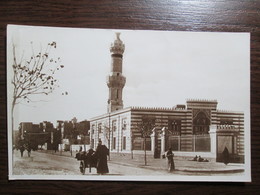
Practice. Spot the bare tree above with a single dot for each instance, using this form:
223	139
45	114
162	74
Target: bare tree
33	76
146	127
132	143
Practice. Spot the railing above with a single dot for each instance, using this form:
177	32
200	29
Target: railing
196	143
139	144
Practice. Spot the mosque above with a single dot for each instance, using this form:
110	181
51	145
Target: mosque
196	128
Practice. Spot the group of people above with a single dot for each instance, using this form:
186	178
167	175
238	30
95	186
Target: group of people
24	146
97	159
199	159
225	157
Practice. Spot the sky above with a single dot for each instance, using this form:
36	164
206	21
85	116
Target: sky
162	69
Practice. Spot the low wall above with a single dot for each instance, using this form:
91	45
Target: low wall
186	155
149	152
190	155
74	147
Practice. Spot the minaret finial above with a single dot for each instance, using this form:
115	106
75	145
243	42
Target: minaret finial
118	36
117	47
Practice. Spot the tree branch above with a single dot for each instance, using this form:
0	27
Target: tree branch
32	77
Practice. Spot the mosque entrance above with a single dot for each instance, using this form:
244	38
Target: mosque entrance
201	125
228	141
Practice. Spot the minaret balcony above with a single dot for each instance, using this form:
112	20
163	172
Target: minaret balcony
116	81
117	50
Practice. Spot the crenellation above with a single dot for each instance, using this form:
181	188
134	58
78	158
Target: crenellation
229	111
225	127
201	100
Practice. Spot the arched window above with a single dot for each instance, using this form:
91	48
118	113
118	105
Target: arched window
201	123
174	126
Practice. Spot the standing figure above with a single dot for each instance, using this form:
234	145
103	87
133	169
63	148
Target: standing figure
22	150
169	155
29	149
101	154
81	156
90	160
21	147
225	155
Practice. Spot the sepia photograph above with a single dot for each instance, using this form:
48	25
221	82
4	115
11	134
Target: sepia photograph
128	105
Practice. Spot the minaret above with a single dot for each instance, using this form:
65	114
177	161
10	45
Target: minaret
115	80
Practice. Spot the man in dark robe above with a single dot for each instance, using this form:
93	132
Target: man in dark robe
225	155
169	155
101	154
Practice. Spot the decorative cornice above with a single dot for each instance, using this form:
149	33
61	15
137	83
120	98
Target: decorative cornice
230	111
156	108
225	127
202	100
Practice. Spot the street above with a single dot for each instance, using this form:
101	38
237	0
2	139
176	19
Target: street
48	164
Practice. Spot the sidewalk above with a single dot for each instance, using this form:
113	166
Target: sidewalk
181	163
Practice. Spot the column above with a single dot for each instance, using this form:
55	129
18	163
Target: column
163	141
179	142
213	140
153	141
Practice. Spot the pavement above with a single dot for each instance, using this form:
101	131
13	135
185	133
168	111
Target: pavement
182	164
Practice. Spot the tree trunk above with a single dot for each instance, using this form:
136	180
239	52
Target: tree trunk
12	118
12	113
109	145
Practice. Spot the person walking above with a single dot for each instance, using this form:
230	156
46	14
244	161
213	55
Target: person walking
101	154
169	155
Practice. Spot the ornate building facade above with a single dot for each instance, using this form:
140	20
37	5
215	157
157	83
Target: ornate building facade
196	128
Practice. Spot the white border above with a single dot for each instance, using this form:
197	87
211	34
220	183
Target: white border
247	145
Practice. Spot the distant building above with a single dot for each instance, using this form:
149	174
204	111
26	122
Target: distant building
83	127
33	133
46	134
197	128
73	132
